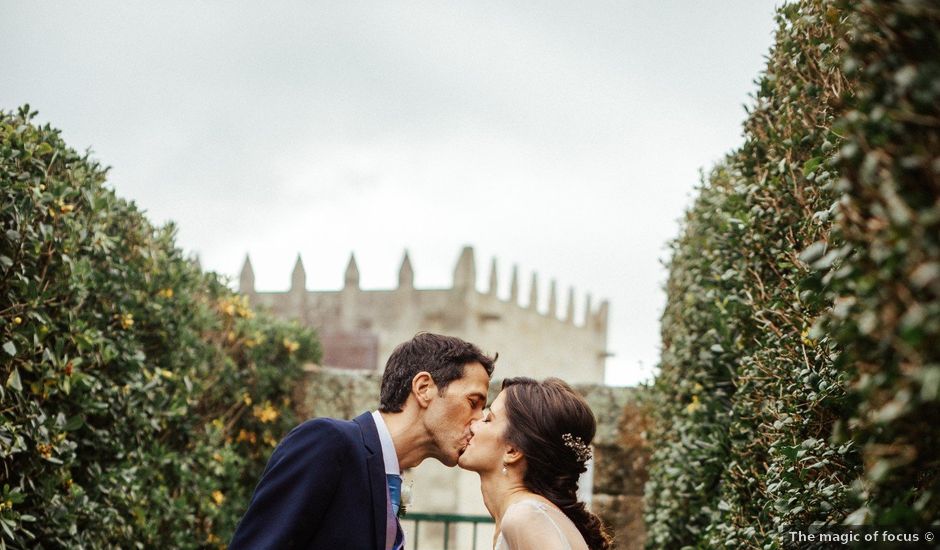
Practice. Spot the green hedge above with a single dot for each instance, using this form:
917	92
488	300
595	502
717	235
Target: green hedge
800	359
886	294
140	396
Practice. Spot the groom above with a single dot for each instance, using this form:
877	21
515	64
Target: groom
337	484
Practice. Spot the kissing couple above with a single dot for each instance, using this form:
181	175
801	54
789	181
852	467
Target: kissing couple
336	484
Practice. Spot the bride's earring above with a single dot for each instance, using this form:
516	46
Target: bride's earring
505	471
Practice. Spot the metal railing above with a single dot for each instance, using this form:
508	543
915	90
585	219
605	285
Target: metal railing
448	520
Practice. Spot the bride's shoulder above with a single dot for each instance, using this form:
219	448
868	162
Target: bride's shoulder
532	524
523	514
528	506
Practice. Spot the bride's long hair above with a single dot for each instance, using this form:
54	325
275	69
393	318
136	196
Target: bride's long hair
553	427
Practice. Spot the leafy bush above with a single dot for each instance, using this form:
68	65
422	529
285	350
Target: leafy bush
799	339
886	294
140	396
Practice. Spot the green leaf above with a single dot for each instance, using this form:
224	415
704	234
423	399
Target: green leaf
811	165
74	423
789	452
7	529
10	348
813	252
14	380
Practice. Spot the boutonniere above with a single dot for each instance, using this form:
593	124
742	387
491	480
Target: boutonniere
406	493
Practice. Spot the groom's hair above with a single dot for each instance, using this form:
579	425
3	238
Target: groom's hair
443	357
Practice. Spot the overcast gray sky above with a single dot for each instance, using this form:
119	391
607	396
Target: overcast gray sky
561	136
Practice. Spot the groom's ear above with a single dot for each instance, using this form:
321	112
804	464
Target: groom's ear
423	388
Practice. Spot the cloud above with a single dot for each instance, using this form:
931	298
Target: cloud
562	137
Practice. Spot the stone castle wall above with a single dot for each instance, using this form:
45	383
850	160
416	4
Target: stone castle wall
359	328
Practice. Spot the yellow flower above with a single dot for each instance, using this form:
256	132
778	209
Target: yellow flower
694	405
127	321
269	440
44	450
166	293
250	437
290	345
804	336
266	414
242	307
212	539
218	497
246	398
218	458
255	339
17	321
228	308
66	208
218	423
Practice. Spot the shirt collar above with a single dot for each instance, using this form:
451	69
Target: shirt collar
388	445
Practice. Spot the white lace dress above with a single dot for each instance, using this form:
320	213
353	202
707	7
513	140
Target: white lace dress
534	525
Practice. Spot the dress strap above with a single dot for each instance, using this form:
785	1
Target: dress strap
543	508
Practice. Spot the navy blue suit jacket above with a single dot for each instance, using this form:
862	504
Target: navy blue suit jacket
323	487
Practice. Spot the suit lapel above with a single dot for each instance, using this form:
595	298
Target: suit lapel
376	467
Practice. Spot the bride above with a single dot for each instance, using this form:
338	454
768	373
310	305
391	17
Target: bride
530	448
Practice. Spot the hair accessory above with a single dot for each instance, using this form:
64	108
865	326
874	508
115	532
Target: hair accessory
576	444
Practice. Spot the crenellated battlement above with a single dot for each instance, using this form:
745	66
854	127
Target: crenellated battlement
358	328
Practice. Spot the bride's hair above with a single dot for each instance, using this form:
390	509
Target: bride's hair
553	427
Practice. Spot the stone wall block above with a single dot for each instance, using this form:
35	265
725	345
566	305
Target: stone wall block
624	516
